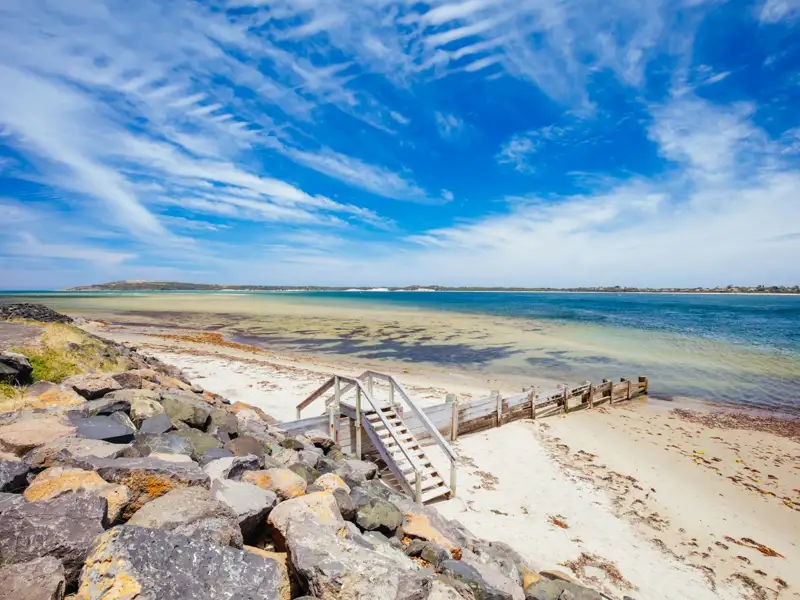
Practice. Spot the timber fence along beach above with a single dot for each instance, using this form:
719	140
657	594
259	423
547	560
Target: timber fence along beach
453	419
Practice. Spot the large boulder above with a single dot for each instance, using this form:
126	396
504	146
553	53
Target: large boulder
286	589
14	367
62	450
283	482
104	406
332	566
92	385
28	431
146	478
320	505
379	515
63	528
213	454
251	504
186	408
39	579
13	475
128	380
107	429
509	561
193	512
135	562
56	481
201	442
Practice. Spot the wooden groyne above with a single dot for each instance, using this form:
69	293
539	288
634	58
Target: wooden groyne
457	418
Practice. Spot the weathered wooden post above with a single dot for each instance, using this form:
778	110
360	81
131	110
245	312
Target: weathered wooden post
533	403
566	399
498	399
646	383
610	390
452	399
628	393
391	393
337	398
591	396
452	479
358	422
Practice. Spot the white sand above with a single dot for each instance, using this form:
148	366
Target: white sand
638	488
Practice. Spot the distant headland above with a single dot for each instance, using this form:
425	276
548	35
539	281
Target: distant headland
175	286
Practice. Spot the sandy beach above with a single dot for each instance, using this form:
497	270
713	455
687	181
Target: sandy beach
637	499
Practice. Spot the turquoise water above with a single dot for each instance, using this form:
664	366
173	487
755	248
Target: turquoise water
742	349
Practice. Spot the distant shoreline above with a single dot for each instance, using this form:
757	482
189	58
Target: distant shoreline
174	286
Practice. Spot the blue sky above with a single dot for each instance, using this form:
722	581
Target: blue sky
369	142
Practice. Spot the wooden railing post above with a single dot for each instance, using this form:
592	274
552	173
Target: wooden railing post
533	403
628	394
454	421
499	406
611	390
418	487
391	394
358	422
566	399
643	389
452	479
591	396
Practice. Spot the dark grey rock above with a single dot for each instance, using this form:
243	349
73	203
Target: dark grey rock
246	444
509	561
193	512
13	476
223	424
16	367
379	516
158	424
250	503
9	374
106	429
32	312
63	528
213	454
320	439
168	566
308	458
187	408
558	589
39	579
8	500
415	547
345	503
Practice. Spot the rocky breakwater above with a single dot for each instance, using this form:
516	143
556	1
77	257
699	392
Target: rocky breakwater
139	485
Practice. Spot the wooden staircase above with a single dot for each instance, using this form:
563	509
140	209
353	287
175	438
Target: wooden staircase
402	453
411	469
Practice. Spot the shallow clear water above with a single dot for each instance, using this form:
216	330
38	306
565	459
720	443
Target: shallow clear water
732	348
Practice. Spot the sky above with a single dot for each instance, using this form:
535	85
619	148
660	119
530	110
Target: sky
391	142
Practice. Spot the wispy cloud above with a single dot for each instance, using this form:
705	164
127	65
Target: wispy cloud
448	125
775	11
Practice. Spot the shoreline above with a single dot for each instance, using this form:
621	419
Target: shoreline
377	290
591	471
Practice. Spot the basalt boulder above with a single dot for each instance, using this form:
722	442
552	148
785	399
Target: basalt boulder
251	504
137	562
193	512
92	385
63	528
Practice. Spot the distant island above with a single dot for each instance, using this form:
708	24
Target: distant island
177	286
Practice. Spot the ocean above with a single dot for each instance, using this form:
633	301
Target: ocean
740	349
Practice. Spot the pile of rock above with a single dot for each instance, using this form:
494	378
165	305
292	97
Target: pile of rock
15	368
141	485
32	312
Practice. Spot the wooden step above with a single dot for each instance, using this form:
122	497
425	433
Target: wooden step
435	493
398	435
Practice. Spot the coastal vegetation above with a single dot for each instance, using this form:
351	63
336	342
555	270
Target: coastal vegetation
174	286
